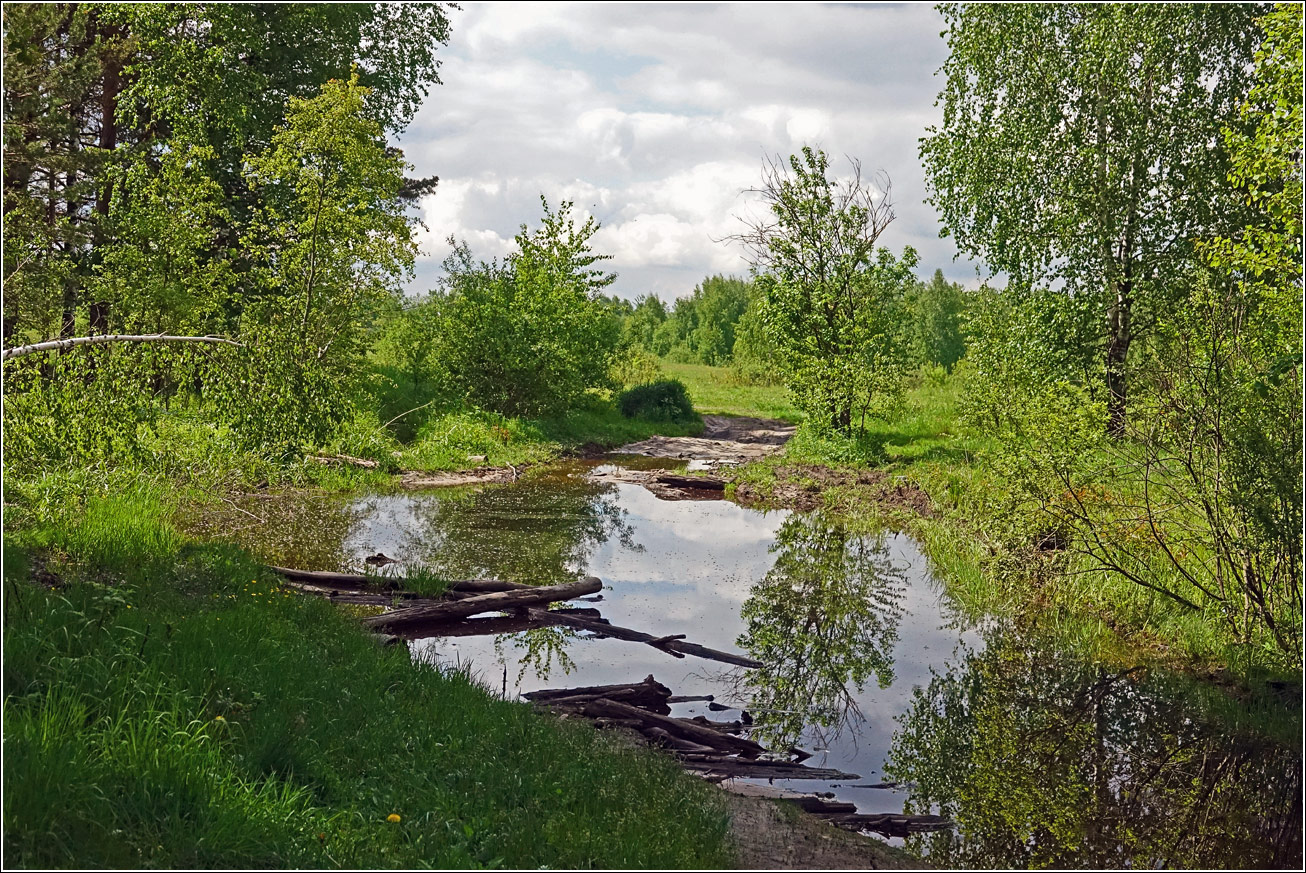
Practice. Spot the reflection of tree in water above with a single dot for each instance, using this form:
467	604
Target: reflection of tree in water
1046	761
292	529
536	532
822	621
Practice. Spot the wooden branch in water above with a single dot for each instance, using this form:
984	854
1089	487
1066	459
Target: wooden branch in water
649	694
634	636
476	627
498	601
702	482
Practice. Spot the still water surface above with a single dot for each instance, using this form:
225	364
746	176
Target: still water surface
1041	758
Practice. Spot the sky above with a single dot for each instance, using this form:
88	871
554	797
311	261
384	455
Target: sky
657	118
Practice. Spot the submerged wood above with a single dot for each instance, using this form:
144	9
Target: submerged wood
649	684
602	628
890	823
495	602
476	627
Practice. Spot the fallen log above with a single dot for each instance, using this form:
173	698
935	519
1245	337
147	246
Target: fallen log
498	601
622	633
632	696
662	737
890	824
350	460
476	627
599	690
821	806
705	483
649	694
674	726
726	727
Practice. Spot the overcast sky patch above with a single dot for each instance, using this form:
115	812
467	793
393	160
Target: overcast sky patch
656	119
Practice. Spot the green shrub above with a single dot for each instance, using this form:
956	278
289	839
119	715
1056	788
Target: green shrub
667	400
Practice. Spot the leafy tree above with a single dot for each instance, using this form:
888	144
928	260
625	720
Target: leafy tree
701	327
97	96
529	336
831	301
1081	145
648	314
329	246
937	315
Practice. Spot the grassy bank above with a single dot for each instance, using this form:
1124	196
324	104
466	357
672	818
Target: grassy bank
976	539
168	704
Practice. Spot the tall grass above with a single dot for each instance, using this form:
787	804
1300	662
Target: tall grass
172	705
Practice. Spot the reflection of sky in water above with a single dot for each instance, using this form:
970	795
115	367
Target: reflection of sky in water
690	571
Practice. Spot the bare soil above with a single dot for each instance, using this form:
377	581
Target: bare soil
768	836
808	486
725	440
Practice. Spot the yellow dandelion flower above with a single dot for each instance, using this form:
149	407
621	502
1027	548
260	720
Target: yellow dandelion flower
219	718
393	818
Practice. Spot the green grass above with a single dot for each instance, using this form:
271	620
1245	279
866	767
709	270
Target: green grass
717	391
463	440
170	705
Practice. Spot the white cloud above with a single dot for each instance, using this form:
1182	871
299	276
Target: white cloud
654	119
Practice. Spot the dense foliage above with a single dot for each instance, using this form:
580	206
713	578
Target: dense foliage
1189	485
1076	148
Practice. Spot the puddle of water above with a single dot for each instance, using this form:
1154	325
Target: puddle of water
1042	760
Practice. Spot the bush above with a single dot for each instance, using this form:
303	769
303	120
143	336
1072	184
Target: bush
667	400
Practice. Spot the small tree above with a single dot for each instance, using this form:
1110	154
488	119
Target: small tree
831	301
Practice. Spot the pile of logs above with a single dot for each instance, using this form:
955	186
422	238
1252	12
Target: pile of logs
717	750
448	614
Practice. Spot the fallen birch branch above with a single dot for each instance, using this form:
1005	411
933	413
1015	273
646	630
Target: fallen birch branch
99	339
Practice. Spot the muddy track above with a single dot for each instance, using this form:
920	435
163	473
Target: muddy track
725	440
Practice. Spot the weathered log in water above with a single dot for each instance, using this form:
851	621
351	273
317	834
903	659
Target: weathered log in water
661	737
602	628
889	823
476	627
430	613
726	727
649	694
604	708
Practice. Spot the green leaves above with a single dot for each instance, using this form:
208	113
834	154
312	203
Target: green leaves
529	336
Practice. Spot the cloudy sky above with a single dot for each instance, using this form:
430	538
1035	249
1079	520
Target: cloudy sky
655	119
